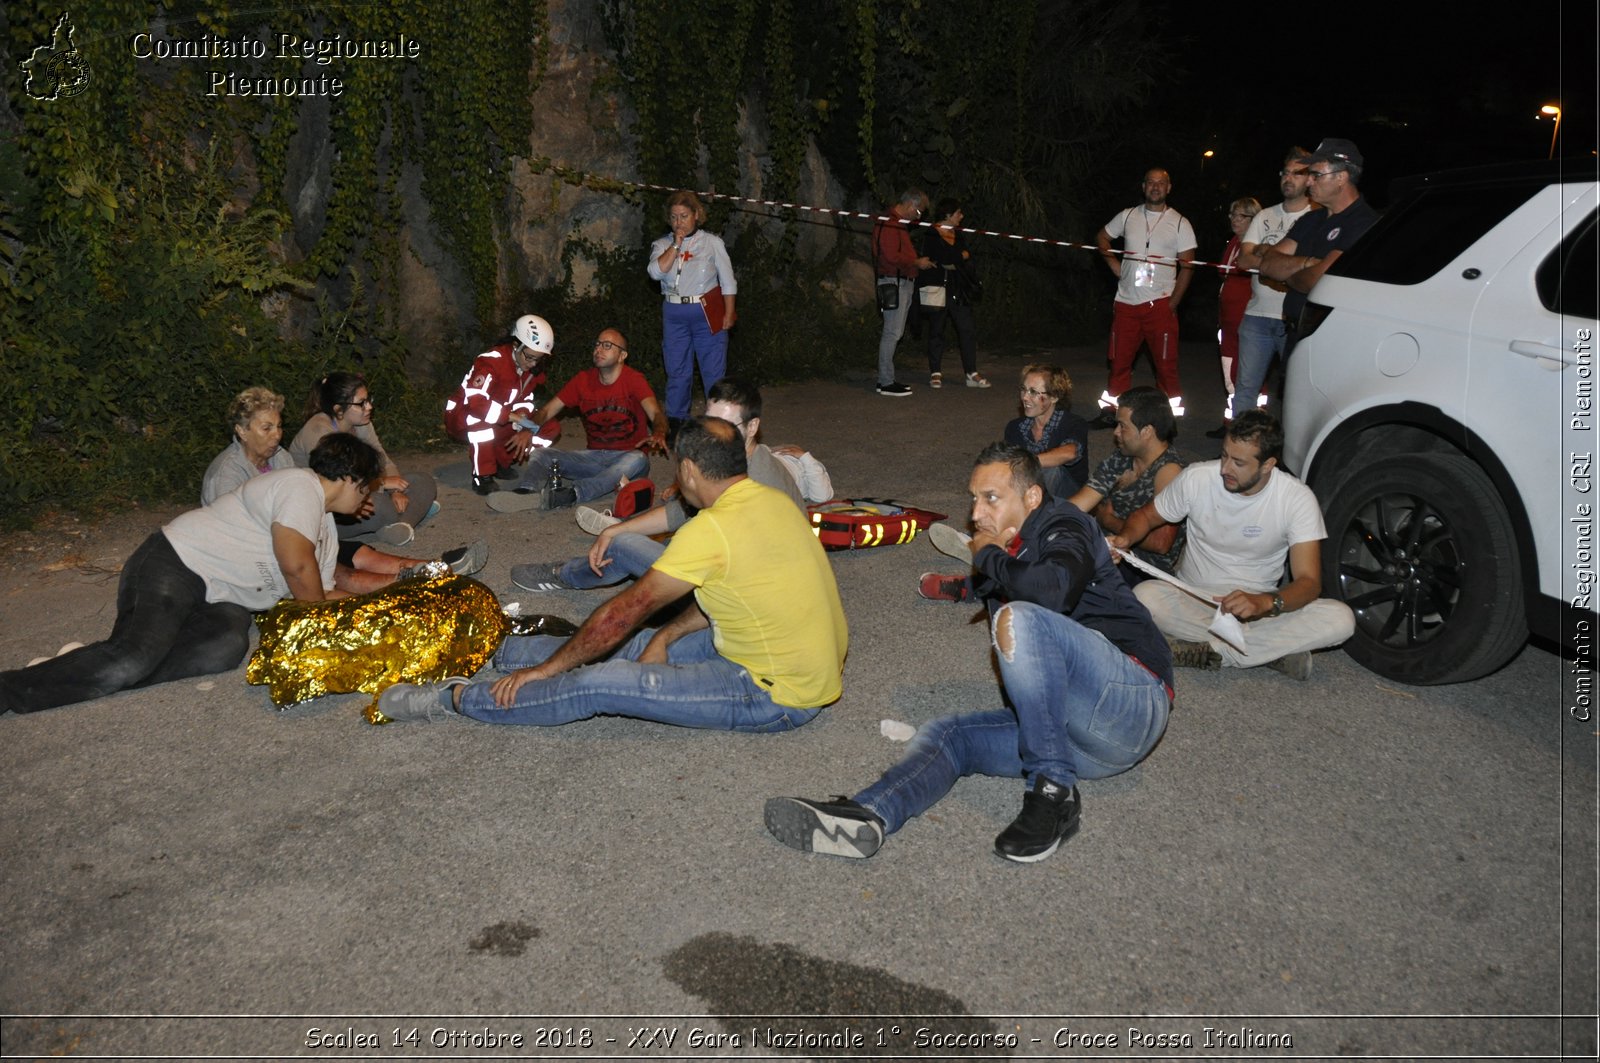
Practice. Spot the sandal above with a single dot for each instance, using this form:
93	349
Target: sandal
936	380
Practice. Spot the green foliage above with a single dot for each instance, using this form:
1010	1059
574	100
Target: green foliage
149	268
147	271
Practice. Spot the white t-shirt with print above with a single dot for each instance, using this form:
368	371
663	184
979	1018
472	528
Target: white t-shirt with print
1270	225
1149	233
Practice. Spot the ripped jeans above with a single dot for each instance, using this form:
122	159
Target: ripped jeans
697	688
1081	709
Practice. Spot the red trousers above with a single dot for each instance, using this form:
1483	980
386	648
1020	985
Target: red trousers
488	441
1154	323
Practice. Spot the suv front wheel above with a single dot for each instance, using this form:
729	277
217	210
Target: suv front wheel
1421	548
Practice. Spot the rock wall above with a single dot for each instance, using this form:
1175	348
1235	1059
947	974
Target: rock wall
578	121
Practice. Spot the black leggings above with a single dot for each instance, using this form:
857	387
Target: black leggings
165	630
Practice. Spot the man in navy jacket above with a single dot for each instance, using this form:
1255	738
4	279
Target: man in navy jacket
1087	674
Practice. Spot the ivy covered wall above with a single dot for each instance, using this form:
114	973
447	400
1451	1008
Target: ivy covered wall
203	210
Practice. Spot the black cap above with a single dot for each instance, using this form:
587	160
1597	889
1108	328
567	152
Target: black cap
1333	149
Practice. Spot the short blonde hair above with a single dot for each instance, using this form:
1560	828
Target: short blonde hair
1057	382
685	198
251	401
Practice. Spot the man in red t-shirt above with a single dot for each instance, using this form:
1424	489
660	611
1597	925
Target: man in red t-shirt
622	420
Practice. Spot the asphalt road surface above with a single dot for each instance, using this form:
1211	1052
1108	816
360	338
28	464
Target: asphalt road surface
1343	866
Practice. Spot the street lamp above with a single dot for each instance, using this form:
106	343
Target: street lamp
1555	110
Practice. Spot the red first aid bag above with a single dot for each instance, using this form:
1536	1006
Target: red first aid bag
858	523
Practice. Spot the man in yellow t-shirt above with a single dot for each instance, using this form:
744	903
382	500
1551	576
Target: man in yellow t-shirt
761	647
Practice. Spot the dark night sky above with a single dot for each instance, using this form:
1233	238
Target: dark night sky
1415	90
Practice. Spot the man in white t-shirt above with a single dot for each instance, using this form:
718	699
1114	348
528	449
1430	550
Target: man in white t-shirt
1152	277
1262	332
1246	517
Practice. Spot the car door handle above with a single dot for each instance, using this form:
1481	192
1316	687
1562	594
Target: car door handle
1543	352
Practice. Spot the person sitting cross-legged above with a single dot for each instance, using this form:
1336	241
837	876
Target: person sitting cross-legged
626	550
622	421
759	647
1246	517
1087	678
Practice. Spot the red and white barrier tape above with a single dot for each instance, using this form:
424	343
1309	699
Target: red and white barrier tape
774	204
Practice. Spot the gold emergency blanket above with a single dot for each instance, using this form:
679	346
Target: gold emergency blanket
415	631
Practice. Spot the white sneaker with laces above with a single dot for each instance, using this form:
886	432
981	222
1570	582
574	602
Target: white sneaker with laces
951	541
594	521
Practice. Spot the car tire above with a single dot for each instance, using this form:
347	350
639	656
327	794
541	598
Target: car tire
1422	550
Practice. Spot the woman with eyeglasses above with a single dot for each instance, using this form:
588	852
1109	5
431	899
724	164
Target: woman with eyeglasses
1050	431
342	402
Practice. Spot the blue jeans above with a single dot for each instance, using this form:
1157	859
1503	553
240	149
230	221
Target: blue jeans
630	555
165	630
593	472
686	338
1081	709
1261	340
697	688
894	326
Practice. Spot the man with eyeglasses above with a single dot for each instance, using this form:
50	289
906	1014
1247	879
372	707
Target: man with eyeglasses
896	261
1261	332
622	422
1316	241
1152	277
625	550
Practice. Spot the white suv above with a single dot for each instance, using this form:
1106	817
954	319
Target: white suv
1441	403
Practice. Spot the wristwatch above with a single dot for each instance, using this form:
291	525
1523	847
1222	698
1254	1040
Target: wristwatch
1277	605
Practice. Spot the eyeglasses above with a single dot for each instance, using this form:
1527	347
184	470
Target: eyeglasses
1241	214
607	345
366	402
1034	392
1317	175
1294	173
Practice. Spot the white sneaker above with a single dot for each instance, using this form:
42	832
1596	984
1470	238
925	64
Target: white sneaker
949	540
68	648
594	521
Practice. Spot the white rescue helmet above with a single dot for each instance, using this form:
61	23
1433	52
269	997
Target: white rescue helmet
535	333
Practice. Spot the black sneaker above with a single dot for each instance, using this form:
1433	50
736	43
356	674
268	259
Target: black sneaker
1049	817
894	391
483	485
1217	432
839	827
507	473
1106	418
